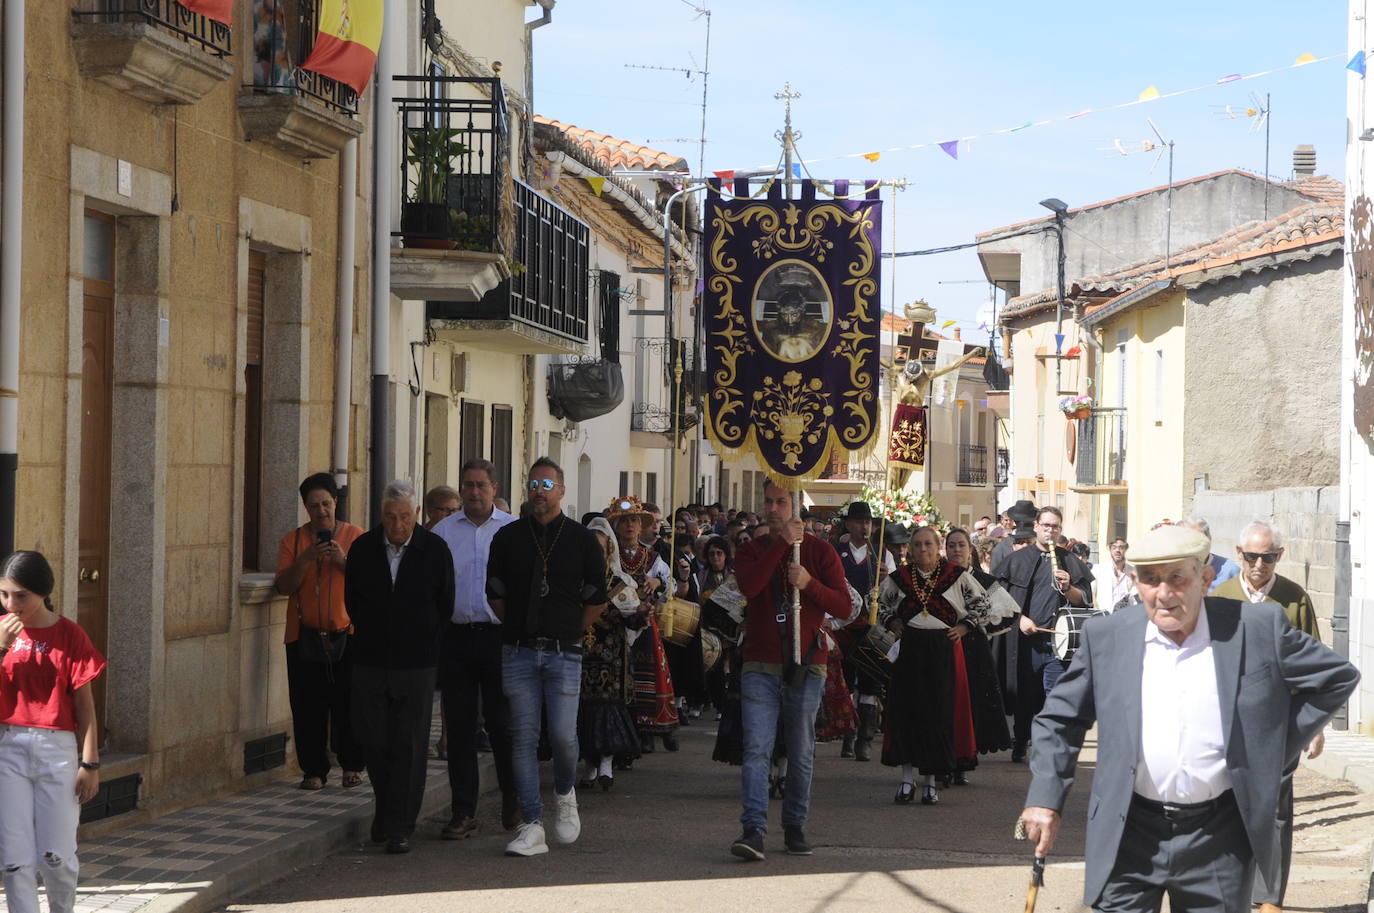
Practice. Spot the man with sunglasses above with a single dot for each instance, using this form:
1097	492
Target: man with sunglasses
1259	548
546	582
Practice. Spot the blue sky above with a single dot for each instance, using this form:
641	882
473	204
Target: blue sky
880	74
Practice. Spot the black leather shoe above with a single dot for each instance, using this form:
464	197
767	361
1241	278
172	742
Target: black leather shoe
795	840
960	779
397	845
670	741
605	783
749	846
906	794
1018	753
929	795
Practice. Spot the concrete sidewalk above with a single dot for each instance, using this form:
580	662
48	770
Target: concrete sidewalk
200	858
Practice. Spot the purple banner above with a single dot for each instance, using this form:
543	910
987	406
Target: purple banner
791	318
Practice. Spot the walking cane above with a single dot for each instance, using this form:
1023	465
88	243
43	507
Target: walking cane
1037	880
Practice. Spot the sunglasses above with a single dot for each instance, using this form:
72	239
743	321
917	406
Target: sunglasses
1266	557
536	484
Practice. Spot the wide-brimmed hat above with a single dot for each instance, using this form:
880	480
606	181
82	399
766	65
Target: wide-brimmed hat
858	510
1025	530
628	506
1023	510
896	534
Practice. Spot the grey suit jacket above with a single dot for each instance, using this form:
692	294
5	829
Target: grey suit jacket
1277	687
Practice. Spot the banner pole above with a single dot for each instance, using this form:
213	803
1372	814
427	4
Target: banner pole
796	593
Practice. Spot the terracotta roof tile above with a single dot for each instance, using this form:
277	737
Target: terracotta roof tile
1322	187
1306	224
616	153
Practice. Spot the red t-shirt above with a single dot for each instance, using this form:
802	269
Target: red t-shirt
41	672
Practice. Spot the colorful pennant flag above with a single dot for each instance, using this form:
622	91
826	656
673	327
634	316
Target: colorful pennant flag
1074	352
1356	63
1232	77
951	148
874	156
346	44
796	169
1149	92
596	184
1058	343
947	324
1304	58
727	175
221	11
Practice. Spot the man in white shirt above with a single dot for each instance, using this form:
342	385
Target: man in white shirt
470	664
1201	704
1114	581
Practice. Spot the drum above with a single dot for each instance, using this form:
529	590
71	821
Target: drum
878	637
730	599
870	659
1068	628
680	620
710	649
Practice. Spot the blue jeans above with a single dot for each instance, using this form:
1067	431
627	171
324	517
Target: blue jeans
547	681
763	699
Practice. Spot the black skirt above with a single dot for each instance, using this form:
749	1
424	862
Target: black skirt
920	705
985	694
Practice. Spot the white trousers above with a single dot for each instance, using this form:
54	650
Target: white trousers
38	817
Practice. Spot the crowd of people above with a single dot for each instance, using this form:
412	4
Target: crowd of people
589	644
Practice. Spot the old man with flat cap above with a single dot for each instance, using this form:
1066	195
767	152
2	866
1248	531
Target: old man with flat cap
1200	708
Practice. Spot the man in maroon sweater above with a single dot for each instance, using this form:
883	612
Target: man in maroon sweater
773	688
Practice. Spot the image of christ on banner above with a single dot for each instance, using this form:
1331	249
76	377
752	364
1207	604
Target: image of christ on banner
790	315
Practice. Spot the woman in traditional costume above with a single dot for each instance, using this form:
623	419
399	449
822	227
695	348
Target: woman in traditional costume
985	694
605	725
655	706
929	718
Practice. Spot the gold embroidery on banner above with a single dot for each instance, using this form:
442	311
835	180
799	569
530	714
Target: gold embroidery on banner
799	411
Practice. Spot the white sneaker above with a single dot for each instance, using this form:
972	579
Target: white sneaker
529	840
566	824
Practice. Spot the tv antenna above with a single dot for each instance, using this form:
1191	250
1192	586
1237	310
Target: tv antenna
690	72
1169	213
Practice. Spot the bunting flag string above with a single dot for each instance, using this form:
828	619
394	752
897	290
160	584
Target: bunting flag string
597	184
1151	93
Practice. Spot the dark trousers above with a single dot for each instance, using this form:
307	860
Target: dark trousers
470	677
391	711
320	696
1202	862
1265	892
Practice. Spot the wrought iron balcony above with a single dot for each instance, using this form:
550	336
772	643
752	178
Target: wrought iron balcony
1101	458
298	111
659	420
455	144
541	308
973	464
156	50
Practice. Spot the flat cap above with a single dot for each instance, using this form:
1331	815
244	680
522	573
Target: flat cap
1169	543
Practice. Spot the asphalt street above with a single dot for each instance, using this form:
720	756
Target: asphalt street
658	841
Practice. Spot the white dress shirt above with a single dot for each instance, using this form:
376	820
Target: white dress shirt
1260	595
470	545
1182	748
394	553
1110	587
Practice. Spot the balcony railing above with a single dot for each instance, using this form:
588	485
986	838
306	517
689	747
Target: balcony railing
193	28
973	464
1003	467
453	156
281	44
1101	459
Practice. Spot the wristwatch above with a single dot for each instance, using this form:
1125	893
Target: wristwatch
89	765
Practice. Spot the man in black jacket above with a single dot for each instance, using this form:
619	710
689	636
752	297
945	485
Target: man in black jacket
398	587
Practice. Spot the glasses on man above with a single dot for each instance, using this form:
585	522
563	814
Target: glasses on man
536	484
1254	557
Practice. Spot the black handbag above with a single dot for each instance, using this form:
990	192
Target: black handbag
316	646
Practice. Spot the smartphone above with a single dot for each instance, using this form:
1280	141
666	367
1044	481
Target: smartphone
324	535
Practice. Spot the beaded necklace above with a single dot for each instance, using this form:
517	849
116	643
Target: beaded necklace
632	566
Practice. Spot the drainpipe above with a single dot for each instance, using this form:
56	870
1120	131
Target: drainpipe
384	173
11	263
543	20
343	349
1340	611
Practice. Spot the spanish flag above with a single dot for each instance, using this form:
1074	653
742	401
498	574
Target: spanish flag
350	32
218	10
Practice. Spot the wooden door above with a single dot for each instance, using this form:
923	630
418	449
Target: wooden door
93	522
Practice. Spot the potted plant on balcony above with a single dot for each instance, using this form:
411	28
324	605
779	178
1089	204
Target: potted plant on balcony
426	219
1080	406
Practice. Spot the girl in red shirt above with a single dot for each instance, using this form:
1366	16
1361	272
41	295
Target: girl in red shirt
49	754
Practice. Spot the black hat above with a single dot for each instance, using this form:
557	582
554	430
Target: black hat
858	510
1025	529
896	534
1022	511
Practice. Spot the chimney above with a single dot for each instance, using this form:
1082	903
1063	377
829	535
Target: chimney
1304	161
958	335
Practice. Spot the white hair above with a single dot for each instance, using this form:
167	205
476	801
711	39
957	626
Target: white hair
400	490
1200	525
1261	526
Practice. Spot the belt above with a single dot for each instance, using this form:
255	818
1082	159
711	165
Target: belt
473	625
551	644
1175	811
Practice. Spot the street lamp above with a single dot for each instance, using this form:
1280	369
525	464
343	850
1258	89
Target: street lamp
1059	208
